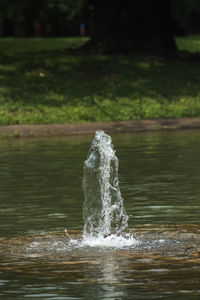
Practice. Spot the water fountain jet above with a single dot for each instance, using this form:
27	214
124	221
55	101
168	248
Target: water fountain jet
105	218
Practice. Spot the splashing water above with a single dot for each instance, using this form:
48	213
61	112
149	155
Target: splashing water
104	215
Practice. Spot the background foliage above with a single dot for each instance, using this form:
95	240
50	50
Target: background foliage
20	18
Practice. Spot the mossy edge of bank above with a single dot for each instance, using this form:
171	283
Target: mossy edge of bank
47	130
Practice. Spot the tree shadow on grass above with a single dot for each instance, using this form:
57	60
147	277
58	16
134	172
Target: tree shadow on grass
59	78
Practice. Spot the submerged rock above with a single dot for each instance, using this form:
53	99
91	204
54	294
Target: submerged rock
165	240
165	258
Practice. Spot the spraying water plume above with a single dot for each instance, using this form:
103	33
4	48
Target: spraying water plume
103	210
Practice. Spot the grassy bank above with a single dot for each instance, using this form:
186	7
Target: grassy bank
41	81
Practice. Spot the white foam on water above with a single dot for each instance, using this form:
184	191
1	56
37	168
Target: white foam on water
111	241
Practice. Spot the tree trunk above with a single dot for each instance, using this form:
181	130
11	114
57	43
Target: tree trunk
127	25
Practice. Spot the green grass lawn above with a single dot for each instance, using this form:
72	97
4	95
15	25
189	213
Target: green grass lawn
41	81
189	43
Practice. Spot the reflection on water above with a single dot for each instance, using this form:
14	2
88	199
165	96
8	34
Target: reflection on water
40	190
40	184
40	180
160	177
103	274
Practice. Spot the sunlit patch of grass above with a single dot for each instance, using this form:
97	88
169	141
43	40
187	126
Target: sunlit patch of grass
189	43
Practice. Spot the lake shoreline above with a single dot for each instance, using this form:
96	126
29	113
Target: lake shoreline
45	130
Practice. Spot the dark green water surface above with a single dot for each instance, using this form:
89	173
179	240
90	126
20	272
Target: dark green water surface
40	191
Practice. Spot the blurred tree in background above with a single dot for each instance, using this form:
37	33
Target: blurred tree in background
120	23
123	26
186	15
22	18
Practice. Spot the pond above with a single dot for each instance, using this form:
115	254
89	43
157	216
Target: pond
41	191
